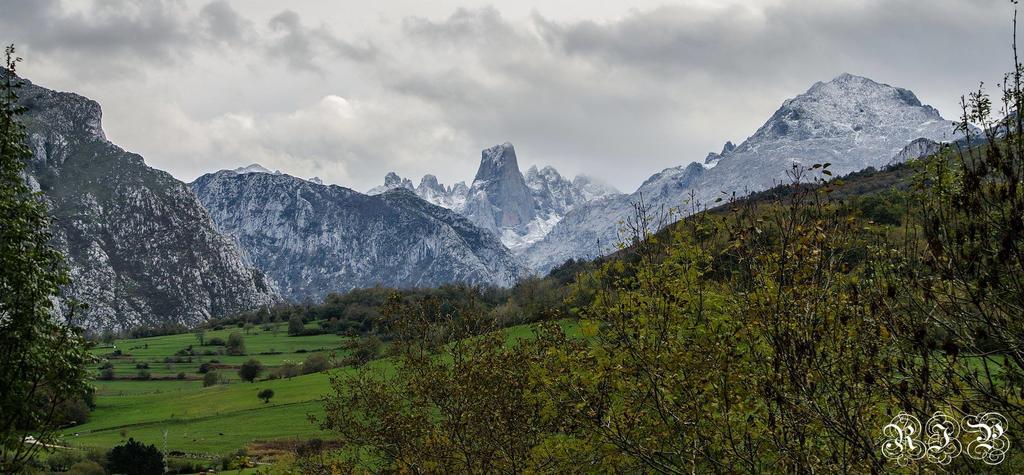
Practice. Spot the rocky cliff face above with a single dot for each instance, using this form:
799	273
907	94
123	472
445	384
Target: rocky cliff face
141	248
313	239
499	197
519	209
851	122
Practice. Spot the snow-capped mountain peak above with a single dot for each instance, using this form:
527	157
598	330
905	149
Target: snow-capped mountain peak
850	121
254	168
391	181
519	209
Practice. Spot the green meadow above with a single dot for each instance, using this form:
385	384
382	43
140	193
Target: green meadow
205	420
220	419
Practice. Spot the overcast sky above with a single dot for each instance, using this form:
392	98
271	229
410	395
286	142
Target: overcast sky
349	90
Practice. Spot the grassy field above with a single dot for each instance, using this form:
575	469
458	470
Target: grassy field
219	419
212	420
161	359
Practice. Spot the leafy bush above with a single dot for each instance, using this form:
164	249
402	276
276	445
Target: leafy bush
62	460
315	363
135	458
107	374
87	467
286	370
236	344
250	370
363	350
210	379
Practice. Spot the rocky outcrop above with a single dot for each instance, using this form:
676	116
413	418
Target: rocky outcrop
519	209
141	249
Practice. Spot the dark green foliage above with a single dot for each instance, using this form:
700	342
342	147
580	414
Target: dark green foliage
43	356
211	378
887	208
135	458
250	370
107	374
76	410
295	326
146	331
265	395
236	344
63	460
358	312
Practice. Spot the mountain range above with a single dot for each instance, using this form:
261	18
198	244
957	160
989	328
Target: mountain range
313	239
520	209
850	122
145	248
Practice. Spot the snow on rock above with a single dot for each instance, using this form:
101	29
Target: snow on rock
851	122
313	239
519	209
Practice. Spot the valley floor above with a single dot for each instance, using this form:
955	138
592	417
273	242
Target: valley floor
181	417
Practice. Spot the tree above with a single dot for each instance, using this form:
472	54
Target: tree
135	458
107	374
235	344
43	355
250	370
964	265
200	334
265	395
363	350
295	326
475	412
211	378
315	363
288	370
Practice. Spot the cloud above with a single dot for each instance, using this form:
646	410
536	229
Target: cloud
132	30
664	86
224	24
335	138
352	92
104	38
301	47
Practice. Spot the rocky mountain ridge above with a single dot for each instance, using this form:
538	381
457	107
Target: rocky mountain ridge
520	209
141	249
851	122
313	239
